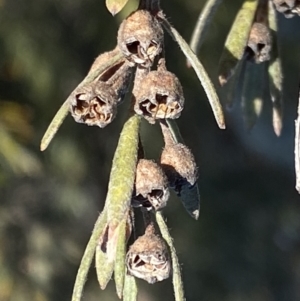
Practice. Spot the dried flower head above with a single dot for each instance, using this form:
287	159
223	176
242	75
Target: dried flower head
179	165
140	38
94	104
148	257
259	43
289	8
159	96
151	186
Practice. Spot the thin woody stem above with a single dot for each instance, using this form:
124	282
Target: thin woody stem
147	218
169	138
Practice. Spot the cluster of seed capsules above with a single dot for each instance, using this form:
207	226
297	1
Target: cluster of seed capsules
156	96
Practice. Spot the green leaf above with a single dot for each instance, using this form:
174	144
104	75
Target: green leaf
253	92
55	125
120	267
104	268
275	74
200	71
115	6
202	24
88	256
130	289
121	181
233	89
177	280
237	40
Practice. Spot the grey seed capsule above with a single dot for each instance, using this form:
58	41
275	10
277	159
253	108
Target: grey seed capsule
179	164
289	8
94	105
140	38
259	43
148	258
151	186
159	96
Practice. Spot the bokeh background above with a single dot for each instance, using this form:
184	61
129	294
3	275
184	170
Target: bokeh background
246	244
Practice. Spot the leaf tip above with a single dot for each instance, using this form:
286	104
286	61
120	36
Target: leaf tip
43	146
115	6
113	11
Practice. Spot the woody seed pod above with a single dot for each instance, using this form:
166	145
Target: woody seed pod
289	8
159	96
259	43
148	258
179	165
151	186
140	38
94	104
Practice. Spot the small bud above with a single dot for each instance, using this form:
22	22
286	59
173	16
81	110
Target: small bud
151	186
289	8
159	96
148	258
140	38
94	104
259	43
179	165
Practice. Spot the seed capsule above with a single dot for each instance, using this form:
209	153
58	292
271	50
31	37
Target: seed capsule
151	186
148	258
94	105
140	38
159	96
259	43
289	8
179	165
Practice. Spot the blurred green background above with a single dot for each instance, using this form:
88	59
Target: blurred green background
246	244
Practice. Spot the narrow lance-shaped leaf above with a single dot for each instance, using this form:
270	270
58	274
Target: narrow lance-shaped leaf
88	256
253	92
63	111
122	180
200	71
233	89
177	280
202	24
275	74
130	289
189	196
115	6
55	125
237	40
297	147
104	268
120	266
